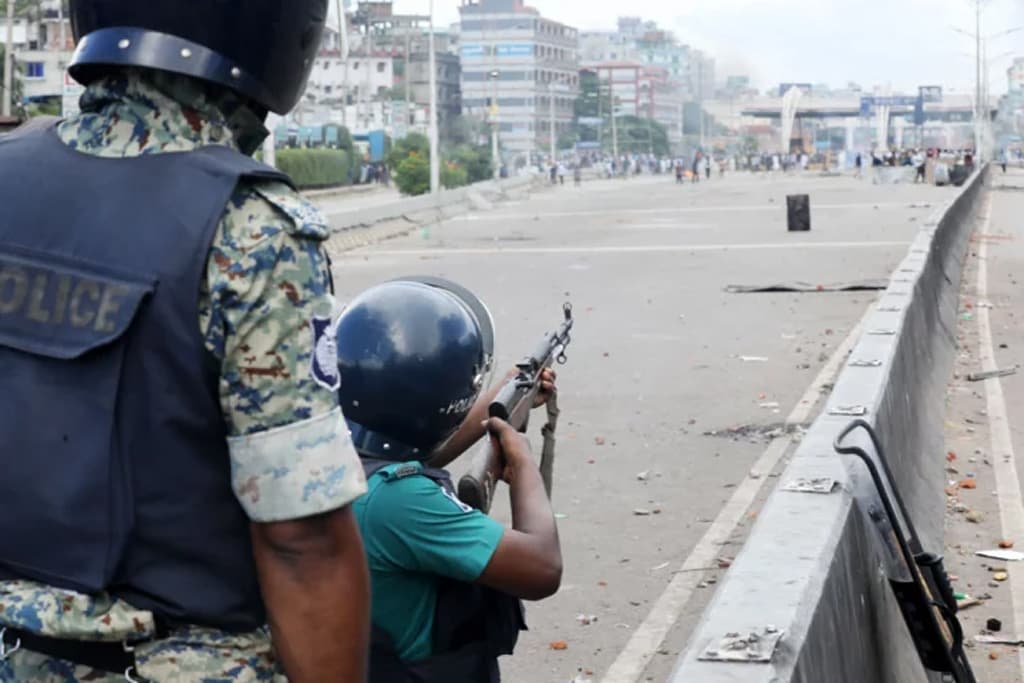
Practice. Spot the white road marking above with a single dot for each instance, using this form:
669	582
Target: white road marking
1004	460
665	225
694	209
624	249
629	666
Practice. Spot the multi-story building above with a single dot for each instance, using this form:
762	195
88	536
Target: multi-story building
647	92
39	52
388	64
520	68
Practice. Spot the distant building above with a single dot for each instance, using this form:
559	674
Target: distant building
386	77
523	63
647	92
40	55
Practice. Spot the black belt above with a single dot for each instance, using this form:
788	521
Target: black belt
117	658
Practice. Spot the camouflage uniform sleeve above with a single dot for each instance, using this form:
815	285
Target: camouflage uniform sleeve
267	283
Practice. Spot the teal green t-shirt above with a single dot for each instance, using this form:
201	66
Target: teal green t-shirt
415	533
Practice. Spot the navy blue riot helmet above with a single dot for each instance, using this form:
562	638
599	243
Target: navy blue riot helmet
262	49
414	355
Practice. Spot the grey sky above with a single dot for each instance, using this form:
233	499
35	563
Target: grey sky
871	42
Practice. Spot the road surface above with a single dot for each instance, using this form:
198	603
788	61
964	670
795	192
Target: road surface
661	357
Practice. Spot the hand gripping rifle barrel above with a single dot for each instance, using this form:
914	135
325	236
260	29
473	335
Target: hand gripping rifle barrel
513	404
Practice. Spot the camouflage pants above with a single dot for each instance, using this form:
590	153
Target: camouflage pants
187	656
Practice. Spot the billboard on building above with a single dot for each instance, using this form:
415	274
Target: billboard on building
70	96
930	93
784	88
514	50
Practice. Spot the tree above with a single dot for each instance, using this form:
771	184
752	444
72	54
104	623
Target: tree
594	102
475	160
412	143
453	175
413	175
639	136
463	130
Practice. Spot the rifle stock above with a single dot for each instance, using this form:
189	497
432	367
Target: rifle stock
476	487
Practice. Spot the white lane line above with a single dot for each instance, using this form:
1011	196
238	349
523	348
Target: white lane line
629	666
1004	460
697	209
627	249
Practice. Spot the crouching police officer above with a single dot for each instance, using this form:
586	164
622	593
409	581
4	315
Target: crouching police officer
414	356
176	471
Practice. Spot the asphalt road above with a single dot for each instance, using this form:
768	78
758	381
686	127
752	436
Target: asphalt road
661	356
985	433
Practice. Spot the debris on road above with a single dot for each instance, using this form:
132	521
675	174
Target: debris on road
994	625
558	645
659	567
967	601
806	287
998	640
724	562
641	512
1004	555
1005	544
975	517
642	476
991	374
599	440
753	359
1000	576
585	619
968	483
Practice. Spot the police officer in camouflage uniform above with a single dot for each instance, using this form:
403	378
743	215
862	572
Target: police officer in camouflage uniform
177	474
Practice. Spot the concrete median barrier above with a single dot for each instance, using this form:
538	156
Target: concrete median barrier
487	191
811	568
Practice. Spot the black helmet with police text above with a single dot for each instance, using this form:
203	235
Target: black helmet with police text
262	49
414	355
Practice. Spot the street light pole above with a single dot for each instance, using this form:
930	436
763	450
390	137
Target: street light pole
492	76
9	61
343	52
435	155
551	120
615	132
977	80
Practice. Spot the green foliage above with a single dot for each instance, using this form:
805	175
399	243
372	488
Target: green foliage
413	175
475	160
49	107
401	149
452	176
639	136
315	168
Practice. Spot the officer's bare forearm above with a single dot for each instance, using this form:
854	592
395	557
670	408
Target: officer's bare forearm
316	588
533	517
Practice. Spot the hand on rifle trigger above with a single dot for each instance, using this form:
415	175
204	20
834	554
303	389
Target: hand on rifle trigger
513	446
547	387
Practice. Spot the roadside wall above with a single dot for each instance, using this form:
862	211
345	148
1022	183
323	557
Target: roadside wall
811	566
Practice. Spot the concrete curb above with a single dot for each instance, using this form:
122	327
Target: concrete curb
812	567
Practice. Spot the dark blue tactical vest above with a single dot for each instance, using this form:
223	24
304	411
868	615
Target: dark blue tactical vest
473	625
115	470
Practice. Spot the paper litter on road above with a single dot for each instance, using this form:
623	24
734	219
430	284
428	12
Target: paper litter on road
1005	555
753	359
